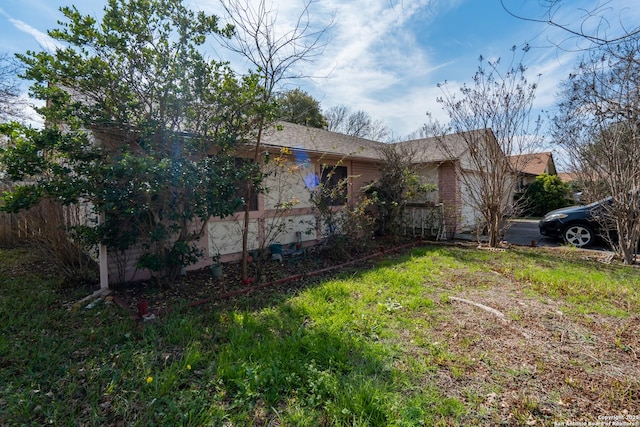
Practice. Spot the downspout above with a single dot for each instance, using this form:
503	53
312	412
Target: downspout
103	259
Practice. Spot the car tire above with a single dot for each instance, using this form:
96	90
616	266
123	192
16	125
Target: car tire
578	235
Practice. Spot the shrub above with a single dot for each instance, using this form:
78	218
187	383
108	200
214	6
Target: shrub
546	193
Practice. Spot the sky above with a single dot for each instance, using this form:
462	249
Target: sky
386	57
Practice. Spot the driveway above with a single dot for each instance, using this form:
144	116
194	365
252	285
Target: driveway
524	231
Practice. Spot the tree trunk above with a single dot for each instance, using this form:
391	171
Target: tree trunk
244	273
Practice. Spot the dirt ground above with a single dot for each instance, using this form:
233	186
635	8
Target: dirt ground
200	287
538	363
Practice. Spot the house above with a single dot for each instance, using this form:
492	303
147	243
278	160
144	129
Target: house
284	213
297	159
568	177
529	166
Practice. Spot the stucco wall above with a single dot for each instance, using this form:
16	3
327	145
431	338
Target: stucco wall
225	236
469	215
284	229
288	185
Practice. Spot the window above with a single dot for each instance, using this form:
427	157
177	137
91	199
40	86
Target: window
334	184
241	187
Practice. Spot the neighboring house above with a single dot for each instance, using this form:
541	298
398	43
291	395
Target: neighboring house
284	213
568	177
529	166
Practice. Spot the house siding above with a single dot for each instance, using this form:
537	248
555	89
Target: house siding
269	224
288	186
470	216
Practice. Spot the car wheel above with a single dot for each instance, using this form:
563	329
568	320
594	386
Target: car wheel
578	235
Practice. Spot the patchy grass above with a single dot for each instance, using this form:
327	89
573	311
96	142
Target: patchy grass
383	346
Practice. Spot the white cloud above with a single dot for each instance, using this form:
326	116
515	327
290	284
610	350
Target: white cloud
380	58
42	38
375	63
372	61
553	69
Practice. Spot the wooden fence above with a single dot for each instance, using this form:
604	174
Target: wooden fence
40	220
14	229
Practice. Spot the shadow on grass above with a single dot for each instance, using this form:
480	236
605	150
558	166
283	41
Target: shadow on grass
310	360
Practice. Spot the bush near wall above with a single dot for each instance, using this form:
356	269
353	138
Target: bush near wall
545	194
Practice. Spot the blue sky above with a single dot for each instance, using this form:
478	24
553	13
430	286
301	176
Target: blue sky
385	56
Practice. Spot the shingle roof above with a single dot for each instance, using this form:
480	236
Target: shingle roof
447	147
429	149
568	176
532	164
320	141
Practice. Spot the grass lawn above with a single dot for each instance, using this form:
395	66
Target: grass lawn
403	343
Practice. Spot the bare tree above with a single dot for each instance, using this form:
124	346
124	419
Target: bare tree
398	185
341	119
598	123
276	53
336	117
594	25
12	104
422	132
492	120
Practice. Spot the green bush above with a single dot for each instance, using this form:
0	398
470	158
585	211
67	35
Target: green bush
546	193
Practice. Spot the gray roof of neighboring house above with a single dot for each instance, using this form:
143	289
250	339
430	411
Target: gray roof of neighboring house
320	141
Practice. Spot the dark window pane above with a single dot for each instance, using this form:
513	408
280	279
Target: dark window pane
334	182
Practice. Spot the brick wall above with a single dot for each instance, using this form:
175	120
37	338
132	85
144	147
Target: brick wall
449	195
361	173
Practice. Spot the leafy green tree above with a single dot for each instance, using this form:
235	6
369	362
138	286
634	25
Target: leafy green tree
297	106
546	193
139	127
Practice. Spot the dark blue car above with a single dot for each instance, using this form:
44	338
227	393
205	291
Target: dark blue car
576	225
